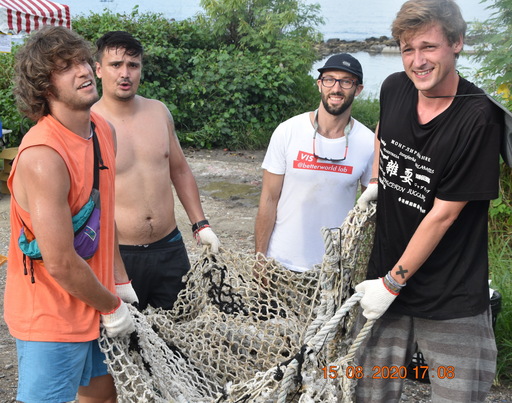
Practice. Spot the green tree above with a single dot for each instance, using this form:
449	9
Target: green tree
11	118
229	76
493	49
268	80
261	24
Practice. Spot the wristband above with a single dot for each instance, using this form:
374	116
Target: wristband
199	225
197	231
391	284
388	287
373	180
393	281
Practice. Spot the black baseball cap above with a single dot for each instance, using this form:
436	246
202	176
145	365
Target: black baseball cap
344	62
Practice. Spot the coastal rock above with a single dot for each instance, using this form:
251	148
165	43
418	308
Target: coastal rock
372	45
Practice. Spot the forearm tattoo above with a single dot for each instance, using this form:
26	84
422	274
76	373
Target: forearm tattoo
401	272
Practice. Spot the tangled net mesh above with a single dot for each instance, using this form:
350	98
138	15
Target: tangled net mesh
246	329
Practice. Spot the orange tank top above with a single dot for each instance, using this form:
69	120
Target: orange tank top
44	311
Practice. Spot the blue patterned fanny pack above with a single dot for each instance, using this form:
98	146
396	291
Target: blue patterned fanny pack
86	226
86	223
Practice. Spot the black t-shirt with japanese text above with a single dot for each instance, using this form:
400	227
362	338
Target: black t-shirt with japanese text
454	157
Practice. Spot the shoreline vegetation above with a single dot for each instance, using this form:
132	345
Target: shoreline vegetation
372	45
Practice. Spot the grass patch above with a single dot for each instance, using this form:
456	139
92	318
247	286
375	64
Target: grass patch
500	263
500	260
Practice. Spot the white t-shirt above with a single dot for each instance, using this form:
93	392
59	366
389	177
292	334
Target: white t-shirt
316	193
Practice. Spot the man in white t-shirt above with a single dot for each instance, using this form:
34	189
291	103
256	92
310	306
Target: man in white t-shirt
312	169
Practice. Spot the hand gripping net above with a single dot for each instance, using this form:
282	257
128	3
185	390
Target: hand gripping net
245	329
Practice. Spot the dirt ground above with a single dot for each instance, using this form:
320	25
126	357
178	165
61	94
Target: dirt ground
230	184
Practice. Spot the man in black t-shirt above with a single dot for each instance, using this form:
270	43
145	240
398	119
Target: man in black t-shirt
437	164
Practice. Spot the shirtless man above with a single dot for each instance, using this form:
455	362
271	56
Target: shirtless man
149	161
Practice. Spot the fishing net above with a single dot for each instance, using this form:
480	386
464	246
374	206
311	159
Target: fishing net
246	329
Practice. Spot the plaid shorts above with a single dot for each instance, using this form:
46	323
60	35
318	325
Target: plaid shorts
460	355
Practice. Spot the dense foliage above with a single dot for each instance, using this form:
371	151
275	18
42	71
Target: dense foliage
11	118
229	75
494	50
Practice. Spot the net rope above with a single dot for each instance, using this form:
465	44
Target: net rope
246	329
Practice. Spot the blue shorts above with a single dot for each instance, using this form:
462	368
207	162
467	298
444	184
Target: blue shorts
53	371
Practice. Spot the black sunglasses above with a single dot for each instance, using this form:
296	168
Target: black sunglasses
348	129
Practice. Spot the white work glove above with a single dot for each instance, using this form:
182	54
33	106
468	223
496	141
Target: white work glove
377	298
126	292
119	322
370	194
205	236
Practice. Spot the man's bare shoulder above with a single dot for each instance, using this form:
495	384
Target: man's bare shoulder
139	103
152	104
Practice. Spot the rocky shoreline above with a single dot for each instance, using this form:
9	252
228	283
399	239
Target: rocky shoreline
371	45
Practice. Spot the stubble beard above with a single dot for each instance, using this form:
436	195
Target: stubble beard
124	97
78	104
338	110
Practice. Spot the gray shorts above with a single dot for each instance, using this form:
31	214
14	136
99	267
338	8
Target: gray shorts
460	355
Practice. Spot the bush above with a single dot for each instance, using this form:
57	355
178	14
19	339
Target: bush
494	50
500	263
229	76
11	118
366	110
241	96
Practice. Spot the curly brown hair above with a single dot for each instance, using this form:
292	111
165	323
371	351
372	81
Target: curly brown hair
415	15
37	59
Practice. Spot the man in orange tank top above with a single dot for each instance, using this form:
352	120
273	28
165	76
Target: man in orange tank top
54	303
